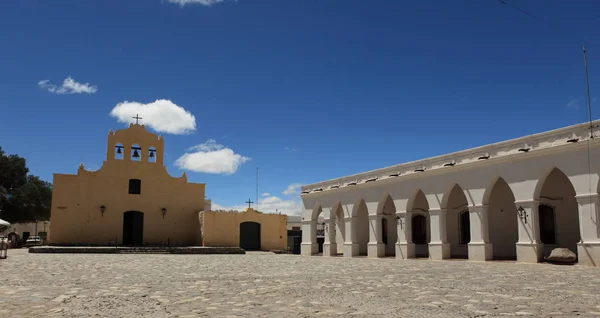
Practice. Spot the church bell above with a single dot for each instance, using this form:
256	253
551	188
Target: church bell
151	154
136	154
119	150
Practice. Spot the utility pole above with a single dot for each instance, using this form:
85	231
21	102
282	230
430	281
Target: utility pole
587	90
257	189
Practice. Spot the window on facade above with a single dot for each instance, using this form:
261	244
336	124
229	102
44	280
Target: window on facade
547	225
465	227
419	229
135	186
384	231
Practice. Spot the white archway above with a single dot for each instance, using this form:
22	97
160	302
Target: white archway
558	213
420	224
502	220
389	235
457	222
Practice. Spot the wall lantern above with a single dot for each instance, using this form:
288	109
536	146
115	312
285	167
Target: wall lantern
164	211
522	214
102	209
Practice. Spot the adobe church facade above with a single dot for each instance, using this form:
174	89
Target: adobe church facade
130	200
516	199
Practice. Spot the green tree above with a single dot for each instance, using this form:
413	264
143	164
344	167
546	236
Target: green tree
23	197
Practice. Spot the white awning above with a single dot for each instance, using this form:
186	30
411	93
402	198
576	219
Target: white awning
4	223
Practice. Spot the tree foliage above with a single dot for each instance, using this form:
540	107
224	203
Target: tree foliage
23	197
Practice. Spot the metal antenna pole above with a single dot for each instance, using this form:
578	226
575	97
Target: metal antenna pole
587	89
256	189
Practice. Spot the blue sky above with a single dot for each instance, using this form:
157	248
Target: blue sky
305	90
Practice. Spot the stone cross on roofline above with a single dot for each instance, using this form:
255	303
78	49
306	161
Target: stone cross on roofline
137	118
249	203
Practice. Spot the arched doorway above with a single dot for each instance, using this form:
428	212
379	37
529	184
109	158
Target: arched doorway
250	236
558	213
503	224
340	228
133	228
318	230
547	224
389	233
420	230
458	227
362	228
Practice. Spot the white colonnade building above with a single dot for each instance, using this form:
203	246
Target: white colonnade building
516	199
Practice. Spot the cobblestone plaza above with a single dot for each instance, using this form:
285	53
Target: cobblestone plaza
269	285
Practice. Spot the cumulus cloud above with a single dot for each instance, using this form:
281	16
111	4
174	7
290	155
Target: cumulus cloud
289	149
161	115
292	189
266	194
69	86
202	2
211	157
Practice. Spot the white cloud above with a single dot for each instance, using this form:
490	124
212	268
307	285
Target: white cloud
161	115
574	103
202	2
69	86
266	194
289	149
293	188
211	157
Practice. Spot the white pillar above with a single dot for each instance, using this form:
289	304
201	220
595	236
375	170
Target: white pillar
375	247
480	248
350	239
309	238
529	247
330	244
439	248
588	249
404	248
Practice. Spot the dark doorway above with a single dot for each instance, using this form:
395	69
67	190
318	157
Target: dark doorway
547	225
419	230
250	236
384	231
133	228
465	227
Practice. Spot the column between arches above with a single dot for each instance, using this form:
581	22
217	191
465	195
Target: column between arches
588	249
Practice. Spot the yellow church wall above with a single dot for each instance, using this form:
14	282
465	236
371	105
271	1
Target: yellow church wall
222	229
76	199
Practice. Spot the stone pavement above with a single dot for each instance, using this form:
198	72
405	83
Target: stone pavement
269	285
